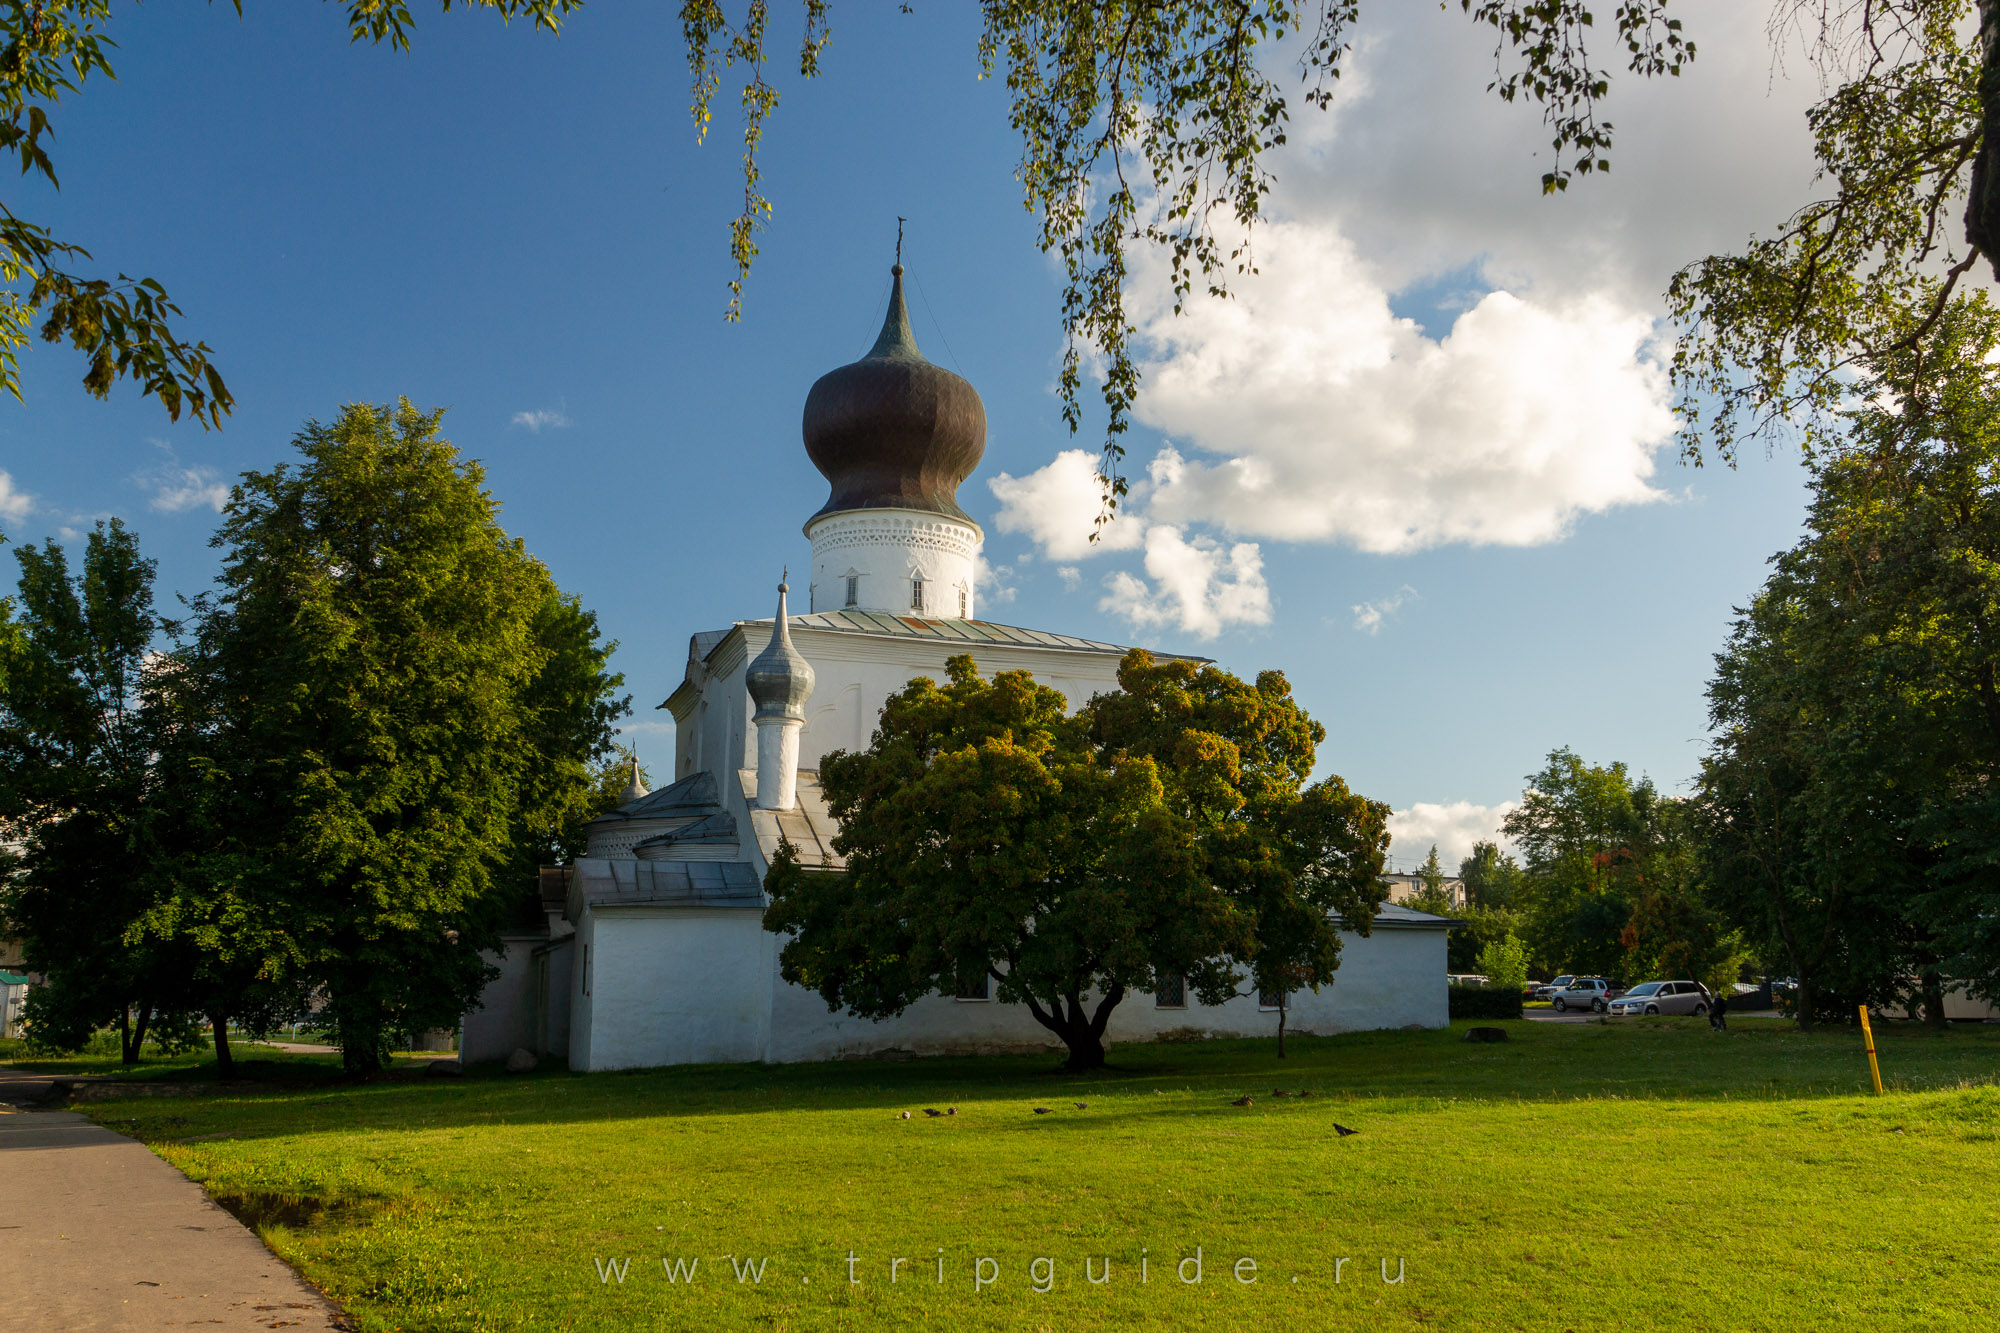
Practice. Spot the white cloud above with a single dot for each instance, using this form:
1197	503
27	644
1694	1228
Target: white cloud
1198	586
993	581
15	504
1071	576
1057	506
176	486
542	419
1434	353
1452	829
1321	416
1368	616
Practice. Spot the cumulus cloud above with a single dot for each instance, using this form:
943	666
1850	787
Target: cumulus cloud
995	582
1057	507
1452	829
1433	353
1197	585
175	486
548	418
1368	616
1071	576
15	504
1318	415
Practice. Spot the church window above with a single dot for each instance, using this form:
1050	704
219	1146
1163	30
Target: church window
1270	999
962	603
1172	992
917	593
853	589
974	984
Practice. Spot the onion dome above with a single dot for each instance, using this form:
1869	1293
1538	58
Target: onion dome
779	679
893	431
634	789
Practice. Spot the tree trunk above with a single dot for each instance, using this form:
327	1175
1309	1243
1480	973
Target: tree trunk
126	1055
139	1033
1982	207
1282	1007
1806	1002
225	1063
1081	1032
1933	999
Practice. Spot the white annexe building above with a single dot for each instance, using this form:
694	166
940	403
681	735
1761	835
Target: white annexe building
655	951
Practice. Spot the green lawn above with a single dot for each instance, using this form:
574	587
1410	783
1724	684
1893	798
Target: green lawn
1626	1176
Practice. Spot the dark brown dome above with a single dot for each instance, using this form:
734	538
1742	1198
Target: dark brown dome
893	431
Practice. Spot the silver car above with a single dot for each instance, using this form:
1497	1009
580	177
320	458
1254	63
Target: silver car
1592	993
1663	997
1548	990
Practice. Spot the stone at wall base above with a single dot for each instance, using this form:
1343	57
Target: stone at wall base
444	1069
522	1061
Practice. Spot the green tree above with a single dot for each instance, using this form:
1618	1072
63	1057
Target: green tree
1165	830
1779	337
399	700
1856	714
1491	877
1504	963
75	787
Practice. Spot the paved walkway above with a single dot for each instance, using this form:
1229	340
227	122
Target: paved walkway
97	1235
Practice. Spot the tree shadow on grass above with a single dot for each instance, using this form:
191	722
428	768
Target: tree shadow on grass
1543	1063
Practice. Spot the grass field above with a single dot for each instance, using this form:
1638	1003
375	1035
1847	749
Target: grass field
1628	1176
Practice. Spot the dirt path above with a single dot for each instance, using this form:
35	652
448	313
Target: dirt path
96	1233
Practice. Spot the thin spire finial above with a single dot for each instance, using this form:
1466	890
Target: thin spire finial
899	240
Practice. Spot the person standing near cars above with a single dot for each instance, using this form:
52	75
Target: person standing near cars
1718	1011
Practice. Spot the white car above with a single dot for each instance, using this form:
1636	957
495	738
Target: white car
1592	993
1662	997
1548	992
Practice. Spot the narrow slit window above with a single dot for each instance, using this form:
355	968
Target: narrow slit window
917	594
964	604
853	589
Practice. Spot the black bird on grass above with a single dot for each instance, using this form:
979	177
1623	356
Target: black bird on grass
932	1111
1241	1101
1343	1130
1041	1110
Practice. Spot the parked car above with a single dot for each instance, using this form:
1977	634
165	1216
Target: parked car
1549	989
1532	989
1465	979
1592	993
1663	997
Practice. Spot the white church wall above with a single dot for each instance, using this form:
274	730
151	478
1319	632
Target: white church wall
672	986
1392	979
555	964
504	1019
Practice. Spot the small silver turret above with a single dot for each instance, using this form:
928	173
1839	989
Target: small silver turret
779	680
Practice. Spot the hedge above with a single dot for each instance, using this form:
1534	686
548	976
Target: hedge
1485	1002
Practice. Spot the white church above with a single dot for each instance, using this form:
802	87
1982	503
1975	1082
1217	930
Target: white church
655	952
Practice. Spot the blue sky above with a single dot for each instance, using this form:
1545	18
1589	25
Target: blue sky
523	229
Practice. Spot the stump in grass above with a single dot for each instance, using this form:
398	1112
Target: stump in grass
1486	1034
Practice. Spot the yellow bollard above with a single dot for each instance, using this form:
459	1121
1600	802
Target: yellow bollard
1868	1038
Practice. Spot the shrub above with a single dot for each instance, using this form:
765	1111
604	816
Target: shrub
1485	1002
1505	963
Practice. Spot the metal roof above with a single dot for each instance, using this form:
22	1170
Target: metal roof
600	882
693	795
715	828
1395	914
971	632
